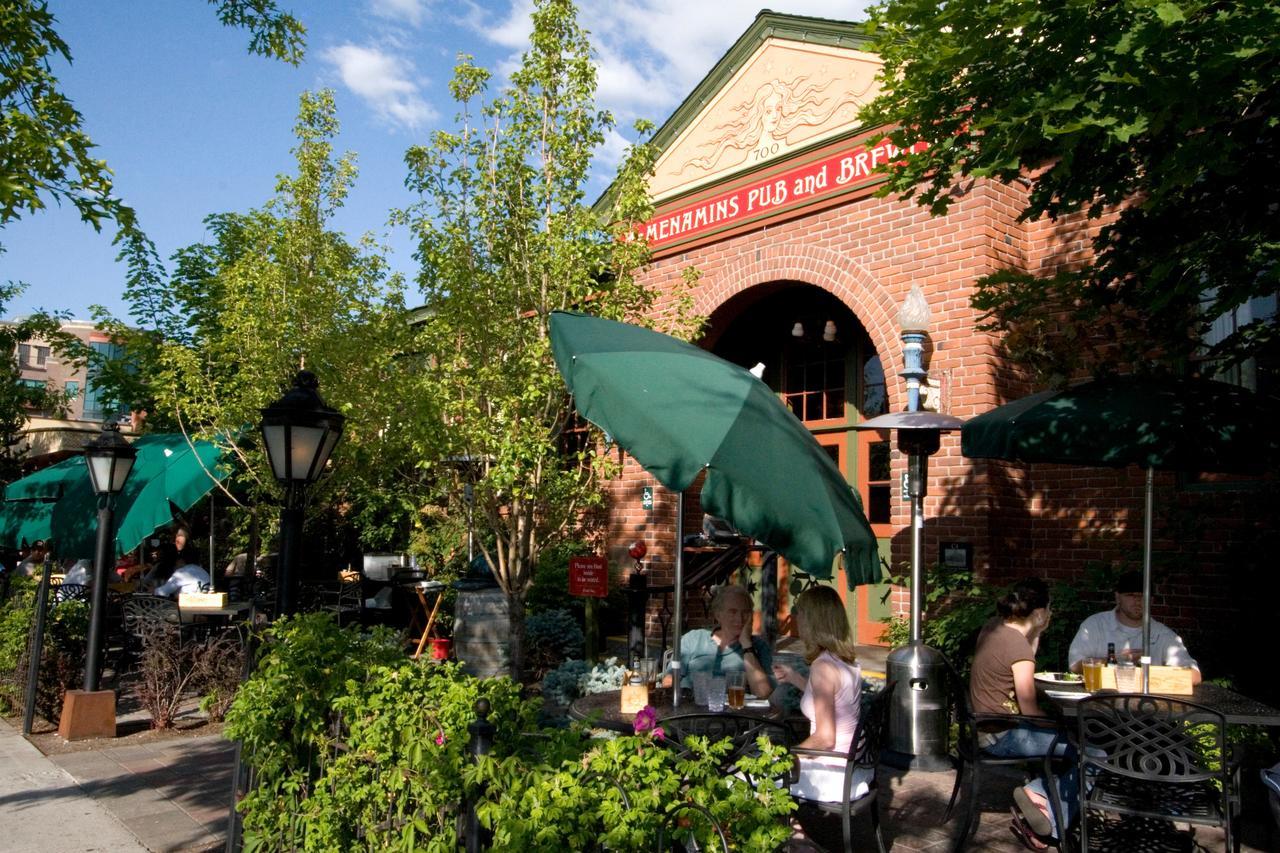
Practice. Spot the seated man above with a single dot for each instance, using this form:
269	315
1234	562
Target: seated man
186	577
1123	627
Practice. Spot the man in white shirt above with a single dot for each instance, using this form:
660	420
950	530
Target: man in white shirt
1123	627
187	577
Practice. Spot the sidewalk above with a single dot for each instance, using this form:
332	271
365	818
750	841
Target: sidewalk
43	810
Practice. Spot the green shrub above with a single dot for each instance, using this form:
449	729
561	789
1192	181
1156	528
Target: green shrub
573	679
551	638
350	754
15	627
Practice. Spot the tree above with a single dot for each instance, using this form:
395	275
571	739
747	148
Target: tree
275	291
504	238
1161	113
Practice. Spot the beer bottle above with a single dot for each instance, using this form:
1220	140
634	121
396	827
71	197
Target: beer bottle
1111	654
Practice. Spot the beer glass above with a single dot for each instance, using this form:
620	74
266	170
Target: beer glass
1091	669
735	685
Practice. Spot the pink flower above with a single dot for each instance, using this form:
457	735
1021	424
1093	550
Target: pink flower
440	738
646	719
658	733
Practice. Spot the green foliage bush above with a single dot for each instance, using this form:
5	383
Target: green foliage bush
62	662
355	748
574	678
551	638
15	627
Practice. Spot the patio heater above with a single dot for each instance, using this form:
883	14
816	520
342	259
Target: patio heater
918	722
299	432
92	712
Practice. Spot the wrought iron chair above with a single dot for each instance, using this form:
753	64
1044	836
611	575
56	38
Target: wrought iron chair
742	729
864	755
972	755
1155	759
68	592
142	613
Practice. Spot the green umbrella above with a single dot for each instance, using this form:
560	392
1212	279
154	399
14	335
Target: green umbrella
23	522
48	484
679	410
1168	423
169	473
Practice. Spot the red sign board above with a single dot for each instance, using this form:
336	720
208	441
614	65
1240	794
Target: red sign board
589	576
843	170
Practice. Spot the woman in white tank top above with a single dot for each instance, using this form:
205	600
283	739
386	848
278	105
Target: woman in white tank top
832	693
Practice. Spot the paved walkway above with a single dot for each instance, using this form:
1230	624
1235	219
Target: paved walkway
43	810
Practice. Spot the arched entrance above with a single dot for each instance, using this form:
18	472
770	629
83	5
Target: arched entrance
816	355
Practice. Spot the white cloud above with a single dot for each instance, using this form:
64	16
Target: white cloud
411	12
384	80
650	53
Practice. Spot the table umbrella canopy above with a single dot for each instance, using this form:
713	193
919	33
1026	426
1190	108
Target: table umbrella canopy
679	410
1170	423
1152	422
169	473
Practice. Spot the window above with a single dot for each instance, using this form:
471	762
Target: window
1249	373
875	399
32	355
879	481
95	406
72	389
814	383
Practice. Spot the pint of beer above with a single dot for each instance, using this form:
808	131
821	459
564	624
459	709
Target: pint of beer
735	689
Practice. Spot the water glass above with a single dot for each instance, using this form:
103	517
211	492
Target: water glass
647	671
700	681
716	694
1126	677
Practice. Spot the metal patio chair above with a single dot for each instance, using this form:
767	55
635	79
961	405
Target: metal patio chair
863	754
742	729
971	755
1154	761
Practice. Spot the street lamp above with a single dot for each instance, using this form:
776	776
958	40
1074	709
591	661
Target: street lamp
110	459
299	432
918	713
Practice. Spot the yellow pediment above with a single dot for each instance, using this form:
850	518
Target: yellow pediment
788	95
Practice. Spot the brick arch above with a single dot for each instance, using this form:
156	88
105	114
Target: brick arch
832	271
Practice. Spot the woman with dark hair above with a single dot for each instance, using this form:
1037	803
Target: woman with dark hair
1003	676
1003	682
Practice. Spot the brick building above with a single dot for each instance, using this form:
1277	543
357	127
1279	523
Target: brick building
48	434
764	186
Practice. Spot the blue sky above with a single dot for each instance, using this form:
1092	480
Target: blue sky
193	125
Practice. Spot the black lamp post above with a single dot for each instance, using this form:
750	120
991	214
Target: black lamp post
299	432
110	459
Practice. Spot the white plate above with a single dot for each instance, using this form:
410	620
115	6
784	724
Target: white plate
1069	695
1056	678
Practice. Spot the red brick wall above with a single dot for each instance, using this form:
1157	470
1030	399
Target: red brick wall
1051	521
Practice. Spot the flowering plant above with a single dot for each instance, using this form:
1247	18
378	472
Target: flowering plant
646	720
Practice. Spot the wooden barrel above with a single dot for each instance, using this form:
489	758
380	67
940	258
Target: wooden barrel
481	633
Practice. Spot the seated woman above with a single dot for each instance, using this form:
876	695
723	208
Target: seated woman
1003	682
730	647
832	693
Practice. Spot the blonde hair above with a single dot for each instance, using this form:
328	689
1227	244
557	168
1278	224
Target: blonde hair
825	625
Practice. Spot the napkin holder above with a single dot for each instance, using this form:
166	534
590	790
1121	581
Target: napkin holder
202	599
1171	680
635	695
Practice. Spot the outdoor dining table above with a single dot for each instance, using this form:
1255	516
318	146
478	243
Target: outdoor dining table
1235	708
604	710
227	612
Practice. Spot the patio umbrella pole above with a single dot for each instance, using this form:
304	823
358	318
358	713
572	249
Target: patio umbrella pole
1146	581
678	617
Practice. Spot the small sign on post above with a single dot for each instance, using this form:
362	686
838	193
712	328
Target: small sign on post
589	576
646	498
